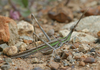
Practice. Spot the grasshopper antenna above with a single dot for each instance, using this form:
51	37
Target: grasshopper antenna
73	27
32	15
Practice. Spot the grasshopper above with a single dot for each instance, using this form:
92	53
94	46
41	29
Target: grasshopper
53	44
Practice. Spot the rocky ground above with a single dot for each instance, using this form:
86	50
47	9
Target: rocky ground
56	18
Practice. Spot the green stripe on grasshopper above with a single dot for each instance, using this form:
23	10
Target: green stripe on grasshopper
52	44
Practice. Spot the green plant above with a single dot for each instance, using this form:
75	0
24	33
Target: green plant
24	11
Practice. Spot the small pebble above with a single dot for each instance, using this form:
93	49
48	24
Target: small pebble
38	42
35	60
77	56
88	65
40	34
92	50
6	66
47	52
51	32
13	64
89	60
1	61
1	53
66	63
75	39
70	58
20	69
85	30
81	63
74	46
98	34
53	65
3	46
65	54
23	47
9	60
37	68
83	48
57	59
12	50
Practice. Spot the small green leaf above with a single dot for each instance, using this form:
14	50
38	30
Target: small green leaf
25	13
25	3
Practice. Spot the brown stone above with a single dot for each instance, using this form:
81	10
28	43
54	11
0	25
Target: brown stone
84	56
38	42
20	69
47	52
8	30
76	45
89	60
18	58
81	63
63	68
98	34
27	41
92	11
77	58
54	65
1	61
65	54
60	13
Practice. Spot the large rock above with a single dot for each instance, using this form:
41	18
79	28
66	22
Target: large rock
25	28
60	13
82	37
91	23
8	31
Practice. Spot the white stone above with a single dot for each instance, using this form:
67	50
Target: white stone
85	30
93	3
92	23
77	55
25	28
83	47
86	47
10	50
23	47
35	60
83	37
26	38
18	44
83	1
